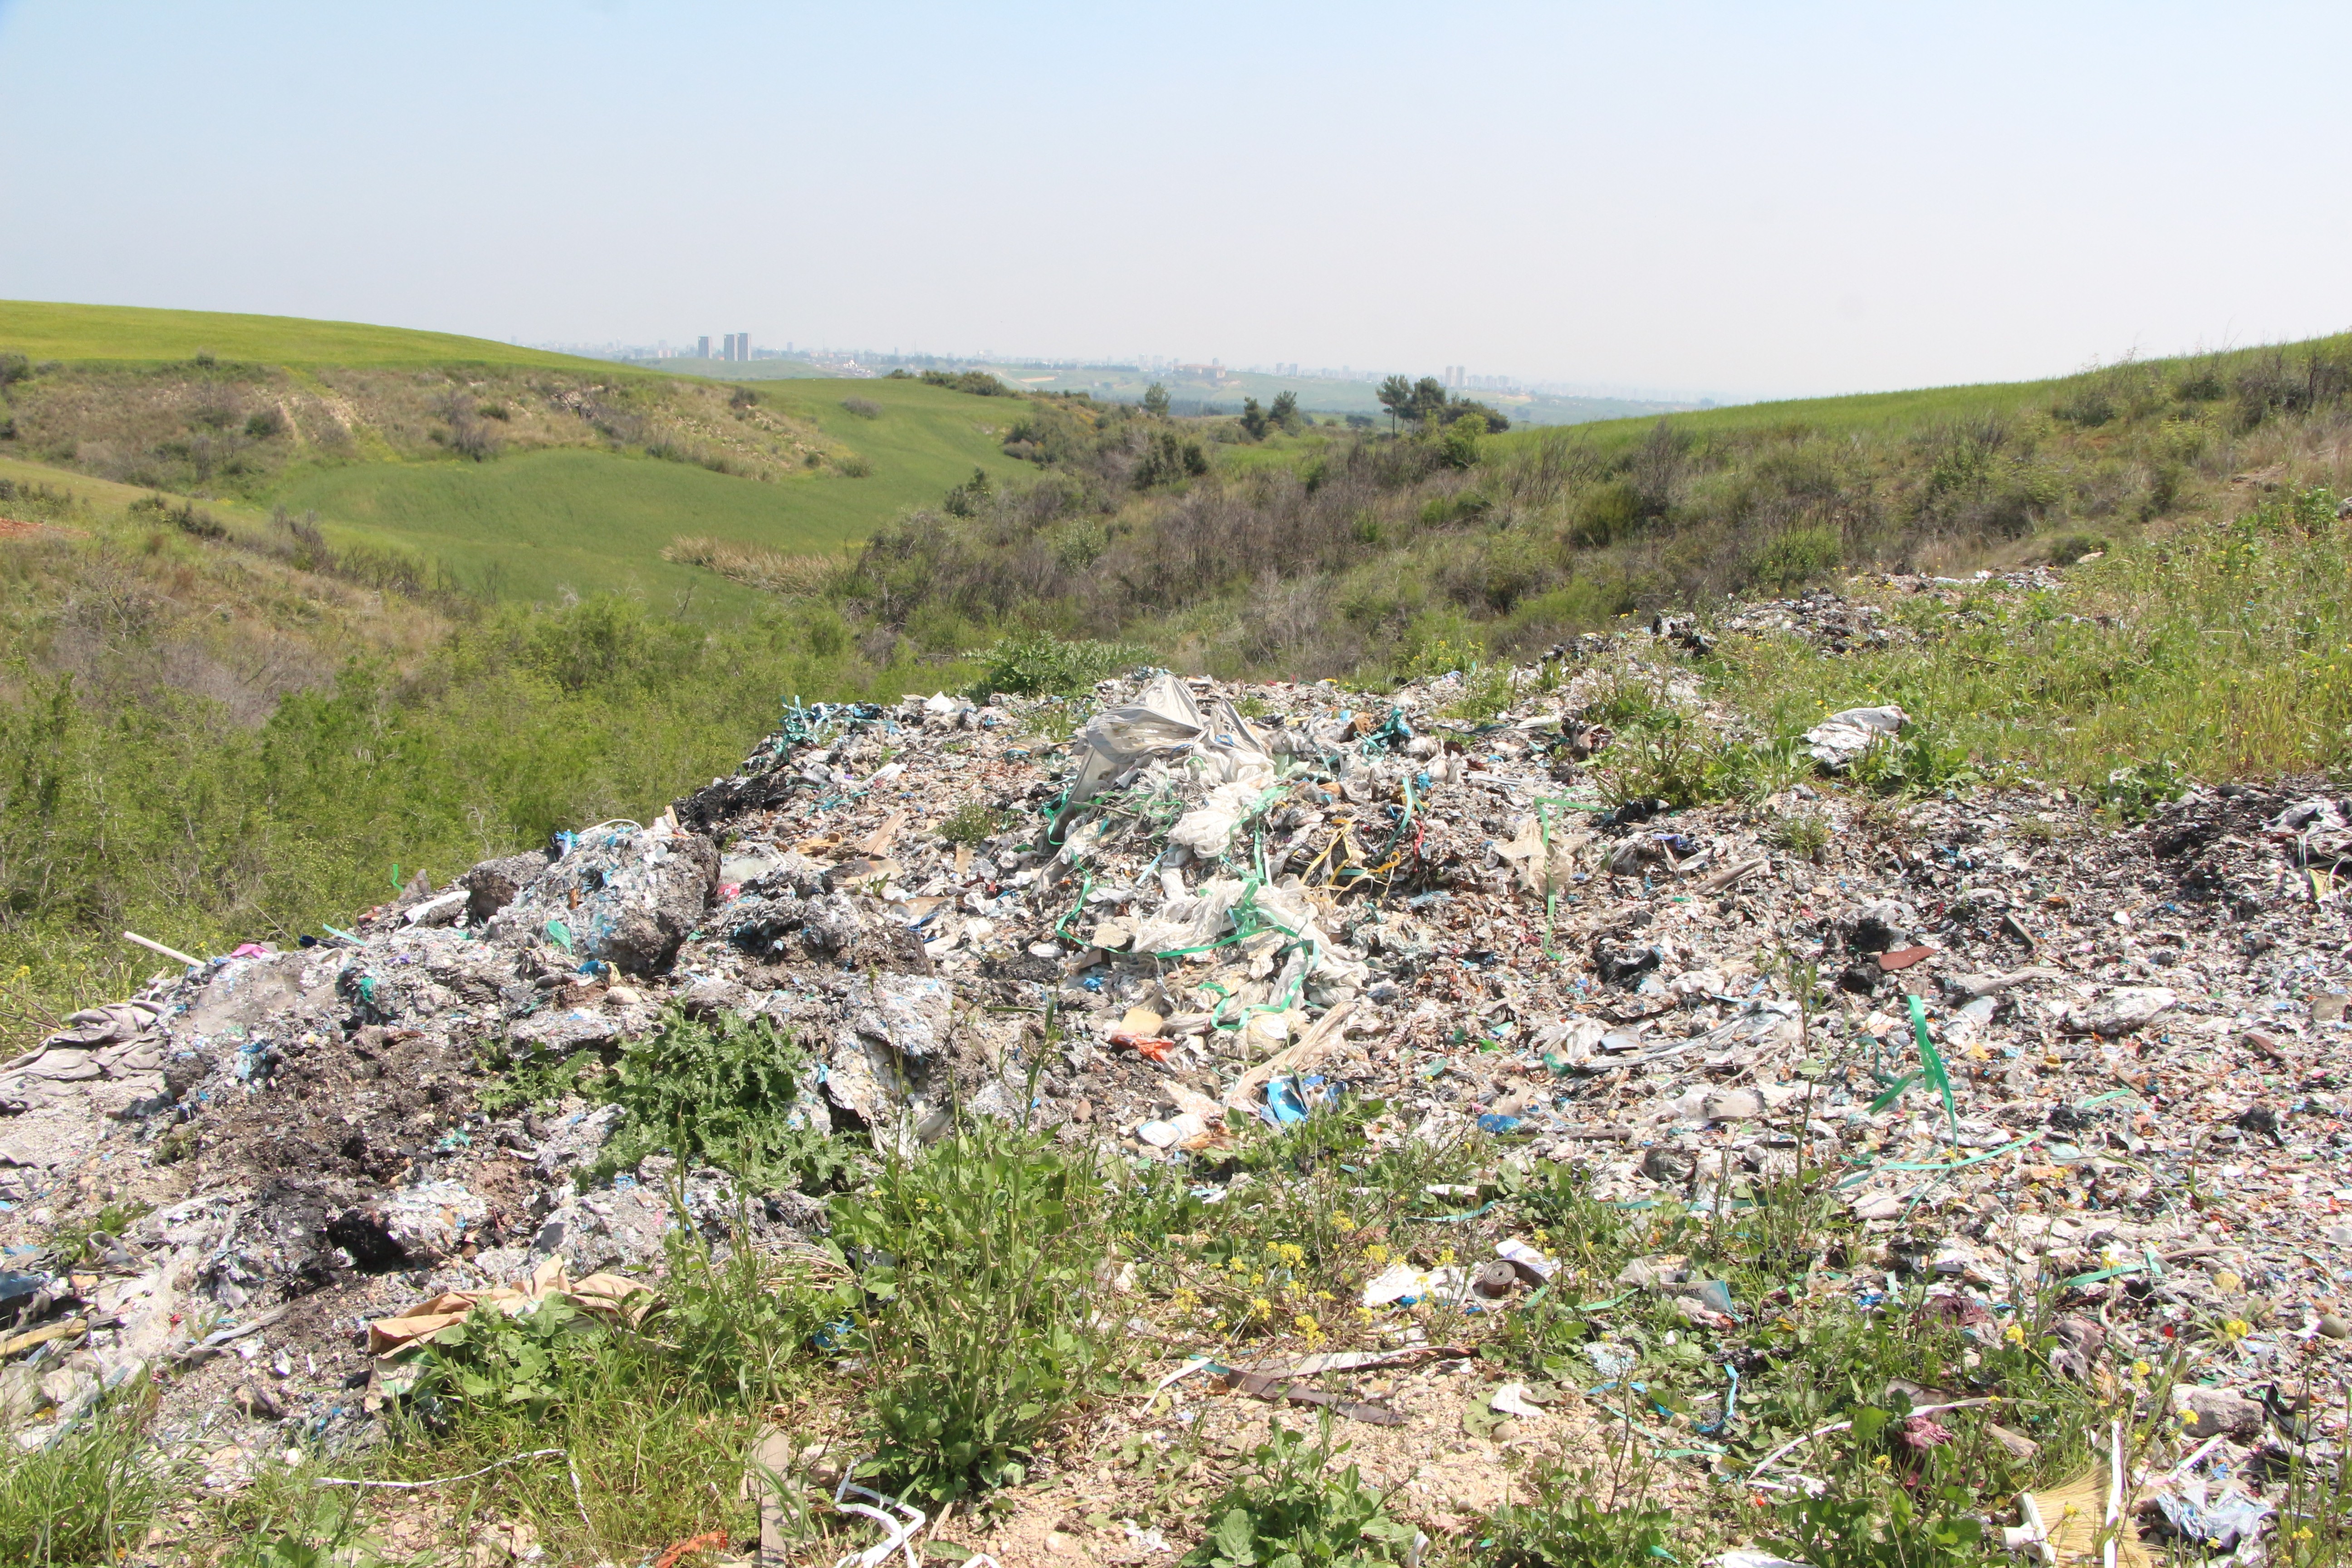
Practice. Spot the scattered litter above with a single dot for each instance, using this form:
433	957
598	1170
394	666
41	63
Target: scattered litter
1279	903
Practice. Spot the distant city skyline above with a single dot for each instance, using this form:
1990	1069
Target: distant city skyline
1454	376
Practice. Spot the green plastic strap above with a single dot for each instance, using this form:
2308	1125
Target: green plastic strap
1943	1164
2098	1274
1061	927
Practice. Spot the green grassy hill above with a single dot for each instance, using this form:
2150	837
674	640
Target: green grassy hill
515	472
46	331
536	523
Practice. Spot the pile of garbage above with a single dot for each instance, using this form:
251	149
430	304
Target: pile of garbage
2039	1048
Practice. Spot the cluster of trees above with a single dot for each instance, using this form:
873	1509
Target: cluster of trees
1426	404
1282	415
978	383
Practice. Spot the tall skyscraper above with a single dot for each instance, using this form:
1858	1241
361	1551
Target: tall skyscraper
702	346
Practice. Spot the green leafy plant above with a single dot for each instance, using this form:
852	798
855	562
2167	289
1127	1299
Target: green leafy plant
736	1323
1873	1523
1293	1512
724	1091
528	1362
1486	694
1804	834
1923	760
1039	664
973	822
981	1319
75	1241
2136	793
1685	763
1577	1521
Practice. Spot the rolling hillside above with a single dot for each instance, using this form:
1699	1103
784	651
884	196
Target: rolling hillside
84	334
519	474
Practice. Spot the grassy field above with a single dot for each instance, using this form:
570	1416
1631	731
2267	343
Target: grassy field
534	524
586	470
42	330
89	491
1919	409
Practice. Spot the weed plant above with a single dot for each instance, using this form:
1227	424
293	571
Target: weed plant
987	1320
720	1092
87	1497
657	1417
1039	664
1291	1511
1587	1518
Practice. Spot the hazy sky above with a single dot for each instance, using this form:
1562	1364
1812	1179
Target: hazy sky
1738	199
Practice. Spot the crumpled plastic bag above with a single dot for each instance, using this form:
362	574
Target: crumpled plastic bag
1162	720
114	1023
2221	1522
1842	737
1208	828
1191	921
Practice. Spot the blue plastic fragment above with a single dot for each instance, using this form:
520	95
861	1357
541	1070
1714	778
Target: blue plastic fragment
1491	1123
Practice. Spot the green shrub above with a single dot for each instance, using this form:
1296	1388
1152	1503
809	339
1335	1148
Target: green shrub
1578	1522
2136	793
1608	513
982	1324
1039	664
1685	763
1923	760
2066	549
1804	834
1870	1523
183	517
1292	1512
724	1092
736	1326
978	382
1486	694
1793	559
526	1363
1458	445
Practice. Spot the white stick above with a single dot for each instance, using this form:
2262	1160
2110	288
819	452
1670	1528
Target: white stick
578	1500
2115	1492
171	953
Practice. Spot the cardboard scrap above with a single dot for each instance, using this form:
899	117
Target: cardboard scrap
611	1294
